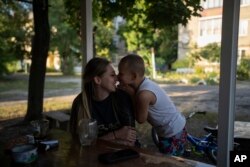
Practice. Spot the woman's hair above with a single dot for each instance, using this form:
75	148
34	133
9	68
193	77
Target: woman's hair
95	67
134	63
82	104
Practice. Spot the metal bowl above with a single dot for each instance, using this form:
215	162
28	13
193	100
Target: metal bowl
25	153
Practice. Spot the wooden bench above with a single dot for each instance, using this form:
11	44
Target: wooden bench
58	119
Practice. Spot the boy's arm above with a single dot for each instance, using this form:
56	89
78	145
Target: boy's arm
142	101
125	112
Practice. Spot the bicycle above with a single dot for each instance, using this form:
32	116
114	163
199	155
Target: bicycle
206	145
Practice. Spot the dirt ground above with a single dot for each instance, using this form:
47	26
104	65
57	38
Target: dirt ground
187	98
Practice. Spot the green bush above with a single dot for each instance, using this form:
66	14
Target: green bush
213	75
194	79
7	65
51	70
199	70
182	63
211	78
11	67
243	70
211	81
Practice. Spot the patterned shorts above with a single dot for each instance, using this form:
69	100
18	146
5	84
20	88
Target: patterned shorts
174	145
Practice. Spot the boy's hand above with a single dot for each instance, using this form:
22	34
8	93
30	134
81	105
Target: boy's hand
127	89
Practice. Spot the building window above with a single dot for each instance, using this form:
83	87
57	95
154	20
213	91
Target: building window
243	27
245	2
210	27
211	4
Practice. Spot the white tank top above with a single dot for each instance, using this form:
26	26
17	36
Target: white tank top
163	115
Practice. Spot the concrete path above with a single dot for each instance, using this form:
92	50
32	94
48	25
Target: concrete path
206	98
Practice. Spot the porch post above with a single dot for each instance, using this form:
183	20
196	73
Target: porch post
228	64
86	31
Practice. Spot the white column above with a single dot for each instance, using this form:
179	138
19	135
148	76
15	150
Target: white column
229	44
86	31
153	62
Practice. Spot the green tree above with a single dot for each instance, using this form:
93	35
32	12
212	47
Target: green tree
102	24
39	52
40	47
15	34
210	52
136	32
64	37
103	39
243	69
143	17
159	36
168	13
166	47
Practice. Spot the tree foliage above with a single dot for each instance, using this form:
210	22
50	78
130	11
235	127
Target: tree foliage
166	47
143	19
140	35
64	37
102	26
158	14
137	32
165	13
211	52
15	34
103	36
243	69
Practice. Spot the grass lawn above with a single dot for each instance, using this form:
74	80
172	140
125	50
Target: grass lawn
13	86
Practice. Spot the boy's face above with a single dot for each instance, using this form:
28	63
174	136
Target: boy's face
125	77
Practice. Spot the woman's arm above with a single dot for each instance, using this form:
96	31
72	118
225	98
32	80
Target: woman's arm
125	135
74	114
108	136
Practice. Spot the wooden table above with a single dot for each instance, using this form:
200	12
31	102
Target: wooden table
242	134
71	154
242	129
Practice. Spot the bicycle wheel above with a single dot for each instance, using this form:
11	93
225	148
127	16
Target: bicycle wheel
213	155
155	137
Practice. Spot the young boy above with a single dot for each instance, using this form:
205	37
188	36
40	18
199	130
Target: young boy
152	104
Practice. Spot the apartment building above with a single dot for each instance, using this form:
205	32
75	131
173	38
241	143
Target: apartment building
206	29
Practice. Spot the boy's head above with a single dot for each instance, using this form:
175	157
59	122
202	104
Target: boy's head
131	69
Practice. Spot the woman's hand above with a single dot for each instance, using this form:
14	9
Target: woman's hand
124	142
126	133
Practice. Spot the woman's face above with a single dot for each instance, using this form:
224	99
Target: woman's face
108	79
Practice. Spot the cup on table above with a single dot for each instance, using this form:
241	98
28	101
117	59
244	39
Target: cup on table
40	128
87	131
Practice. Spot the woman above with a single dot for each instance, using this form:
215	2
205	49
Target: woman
101	100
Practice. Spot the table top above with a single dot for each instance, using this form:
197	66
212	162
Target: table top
242	130
71	154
